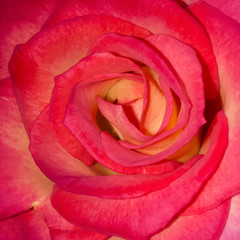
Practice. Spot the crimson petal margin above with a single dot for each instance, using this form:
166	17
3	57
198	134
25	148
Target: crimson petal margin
19	20
25	226
60	228
231	9
208	225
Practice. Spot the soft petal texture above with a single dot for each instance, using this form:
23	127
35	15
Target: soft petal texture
204	226
55	162
21	182
225	36
232	227
230	8
162	16
60	228
139	218
19	20
25	226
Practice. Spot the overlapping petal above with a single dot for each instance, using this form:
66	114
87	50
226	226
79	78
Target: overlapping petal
224	34
19	20
25	226
22	183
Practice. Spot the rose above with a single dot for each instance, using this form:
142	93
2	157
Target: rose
165	198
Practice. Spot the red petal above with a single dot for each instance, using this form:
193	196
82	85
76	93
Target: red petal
229	8
26	226
19	20
21	182
141	217
225	36
60	228
207	225
55	162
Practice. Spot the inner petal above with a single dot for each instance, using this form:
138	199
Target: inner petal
155	108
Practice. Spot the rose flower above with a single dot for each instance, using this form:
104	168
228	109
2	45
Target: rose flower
119	119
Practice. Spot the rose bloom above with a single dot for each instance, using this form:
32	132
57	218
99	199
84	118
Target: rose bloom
119	119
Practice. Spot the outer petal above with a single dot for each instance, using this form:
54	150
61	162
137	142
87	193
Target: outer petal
230	8
141	217
26	226
50	156
225	36
204	226
19	20
162	16
232	228
21	182
60	228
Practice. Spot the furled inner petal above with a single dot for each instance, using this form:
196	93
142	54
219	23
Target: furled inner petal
155	108
116	116
186	85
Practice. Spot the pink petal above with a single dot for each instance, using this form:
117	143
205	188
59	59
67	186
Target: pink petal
124	186
19	20
60	228
22	183
162	16
232	227
225	36
229	8
139	218
26	226
207	225
54	161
